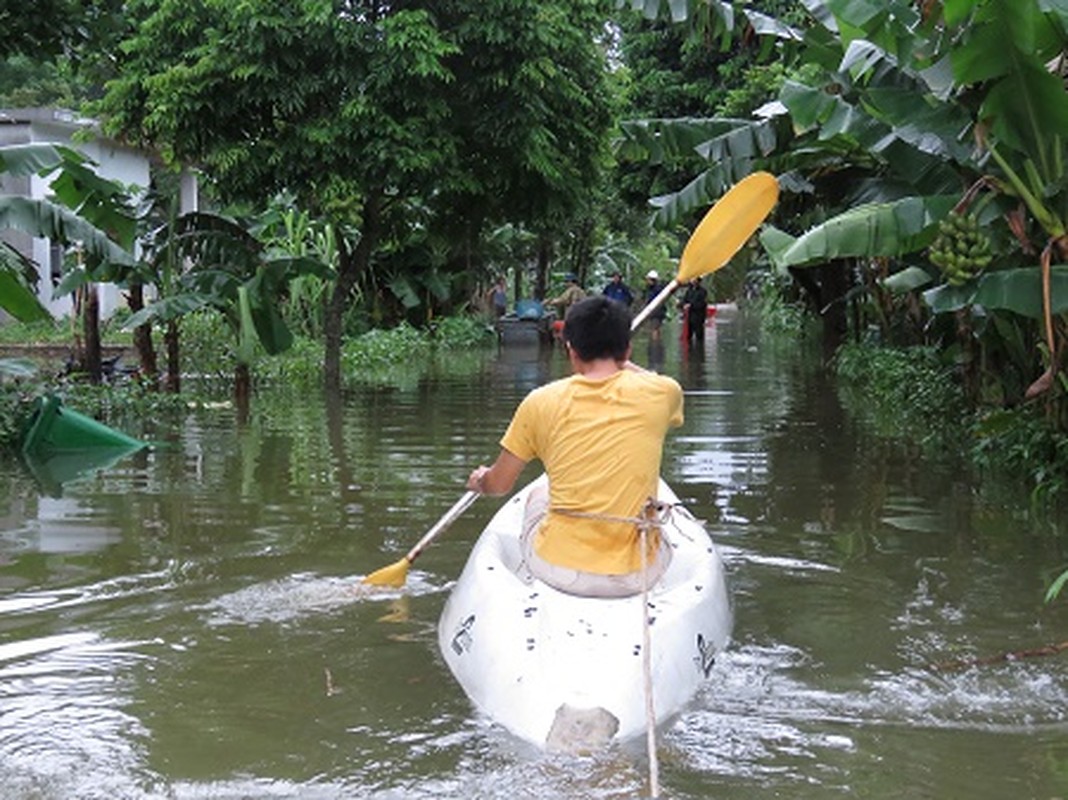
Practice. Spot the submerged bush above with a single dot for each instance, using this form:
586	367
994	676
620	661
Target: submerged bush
15	407
1021	444
905	392
370	354
769	294
912	394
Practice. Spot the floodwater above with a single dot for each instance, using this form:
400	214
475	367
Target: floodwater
185	622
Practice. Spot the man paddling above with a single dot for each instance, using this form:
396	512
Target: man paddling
599	434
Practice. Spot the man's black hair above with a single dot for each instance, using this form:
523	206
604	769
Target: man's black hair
598	327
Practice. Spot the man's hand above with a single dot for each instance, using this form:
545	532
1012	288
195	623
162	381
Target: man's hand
476	480
498	479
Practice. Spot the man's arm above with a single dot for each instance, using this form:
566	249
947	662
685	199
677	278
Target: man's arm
499	478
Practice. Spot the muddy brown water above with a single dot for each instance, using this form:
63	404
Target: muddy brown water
181	624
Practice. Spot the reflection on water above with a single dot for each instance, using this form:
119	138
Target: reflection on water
190	623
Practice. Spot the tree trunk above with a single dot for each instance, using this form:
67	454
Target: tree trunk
242	390
91	330
541	275
968	360
825	287
836	279
351	265
172	383
142	338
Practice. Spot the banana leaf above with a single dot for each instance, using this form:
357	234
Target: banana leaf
34	159
73	279
168	308
1017	290
657	140
876	229
404	290
100	201
263	291
17	299
52	221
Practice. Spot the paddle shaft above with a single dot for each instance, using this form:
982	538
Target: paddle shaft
654	304
458	508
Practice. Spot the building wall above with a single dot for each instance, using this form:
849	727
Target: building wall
113	161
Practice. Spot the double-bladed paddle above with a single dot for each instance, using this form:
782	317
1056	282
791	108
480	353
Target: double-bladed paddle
721	234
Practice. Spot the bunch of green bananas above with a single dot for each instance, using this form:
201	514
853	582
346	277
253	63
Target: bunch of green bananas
961	249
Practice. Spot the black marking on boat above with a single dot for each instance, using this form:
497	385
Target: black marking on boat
529	612
706	655
530	644
699	587
461	640
637	650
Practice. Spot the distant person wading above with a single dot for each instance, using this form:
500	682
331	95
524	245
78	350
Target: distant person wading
572	294
653	287
618	291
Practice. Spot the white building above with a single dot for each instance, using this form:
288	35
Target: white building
113	160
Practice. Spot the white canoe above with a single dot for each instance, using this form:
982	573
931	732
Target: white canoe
566	672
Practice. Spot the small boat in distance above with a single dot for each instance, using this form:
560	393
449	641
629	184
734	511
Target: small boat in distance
566	672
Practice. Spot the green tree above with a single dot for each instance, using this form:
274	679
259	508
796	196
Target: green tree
713	66
897	116
414	124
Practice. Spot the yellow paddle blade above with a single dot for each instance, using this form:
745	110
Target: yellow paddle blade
728	225
394	575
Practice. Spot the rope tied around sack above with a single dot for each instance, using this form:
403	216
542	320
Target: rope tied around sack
654	514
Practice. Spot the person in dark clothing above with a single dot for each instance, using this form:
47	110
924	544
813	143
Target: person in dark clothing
694	305
618	291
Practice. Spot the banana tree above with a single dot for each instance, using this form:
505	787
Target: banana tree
907	105
83	208
229	271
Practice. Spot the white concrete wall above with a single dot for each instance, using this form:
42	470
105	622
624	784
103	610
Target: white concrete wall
113	161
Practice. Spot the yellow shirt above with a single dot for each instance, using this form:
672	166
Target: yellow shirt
601	442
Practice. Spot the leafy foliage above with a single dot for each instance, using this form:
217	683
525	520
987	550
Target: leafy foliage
910	392
410	129
85	209
229	272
